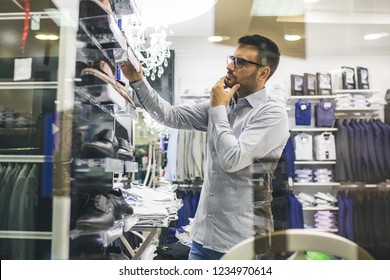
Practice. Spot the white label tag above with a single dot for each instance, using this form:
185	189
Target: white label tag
22	69
327	105
303	107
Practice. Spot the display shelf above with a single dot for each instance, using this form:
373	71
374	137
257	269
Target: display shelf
356	109
104	236
330	184
26	158
17	234
29	85
313	162
106	164
313	129
320	208
311	97
97	20
129	222
108	100
131	166
352	91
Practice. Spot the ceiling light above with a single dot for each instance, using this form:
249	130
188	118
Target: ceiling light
277	8
215	39
160	13
47	37
292	37
375	36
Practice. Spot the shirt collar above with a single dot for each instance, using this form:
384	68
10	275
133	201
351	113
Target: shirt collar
257	97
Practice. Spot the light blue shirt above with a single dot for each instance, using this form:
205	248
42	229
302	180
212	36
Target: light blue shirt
254	127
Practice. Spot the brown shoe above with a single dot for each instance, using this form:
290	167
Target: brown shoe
103	73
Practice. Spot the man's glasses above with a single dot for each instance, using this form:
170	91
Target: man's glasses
239	62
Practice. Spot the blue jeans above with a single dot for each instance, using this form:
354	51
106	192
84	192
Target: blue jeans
198	252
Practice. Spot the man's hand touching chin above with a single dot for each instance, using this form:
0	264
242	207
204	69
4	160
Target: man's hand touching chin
219	96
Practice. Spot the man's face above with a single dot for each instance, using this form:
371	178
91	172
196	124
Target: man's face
247	75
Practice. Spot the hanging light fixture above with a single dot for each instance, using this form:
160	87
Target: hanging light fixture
152	47
153	50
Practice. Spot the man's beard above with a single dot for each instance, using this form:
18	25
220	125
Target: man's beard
230	82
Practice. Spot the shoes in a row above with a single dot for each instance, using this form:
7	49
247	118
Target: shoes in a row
106	144
101	211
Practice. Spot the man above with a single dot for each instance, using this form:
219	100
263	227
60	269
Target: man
242	124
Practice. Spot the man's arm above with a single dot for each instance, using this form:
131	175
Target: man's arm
181	117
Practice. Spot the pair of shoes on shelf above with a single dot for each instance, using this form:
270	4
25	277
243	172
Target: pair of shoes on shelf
105	144
126	150
102	211
97	215
122	208
102	72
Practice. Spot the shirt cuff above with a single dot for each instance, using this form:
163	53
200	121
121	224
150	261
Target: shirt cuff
218	113
142	86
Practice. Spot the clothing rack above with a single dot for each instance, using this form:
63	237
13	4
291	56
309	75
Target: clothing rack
364	217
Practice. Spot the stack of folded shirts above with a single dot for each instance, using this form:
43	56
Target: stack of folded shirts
377	101
306	200
153	206
320	199
360	101
343	101
326	220
323	175
325	199
303	175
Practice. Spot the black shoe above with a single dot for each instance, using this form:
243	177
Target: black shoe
98	214
104	145
122	208
126	150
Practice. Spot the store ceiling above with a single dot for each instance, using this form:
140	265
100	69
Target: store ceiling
328	27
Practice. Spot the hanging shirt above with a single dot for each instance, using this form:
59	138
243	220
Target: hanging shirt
170	168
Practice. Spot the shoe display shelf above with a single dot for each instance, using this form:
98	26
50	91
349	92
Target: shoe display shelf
106	237
100	25
99	29
109	102
102	170
104	103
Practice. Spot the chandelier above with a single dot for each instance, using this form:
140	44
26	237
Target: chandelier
152	49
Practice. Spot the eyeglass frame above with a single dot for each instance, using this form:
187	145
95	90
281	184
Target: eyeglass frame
234	59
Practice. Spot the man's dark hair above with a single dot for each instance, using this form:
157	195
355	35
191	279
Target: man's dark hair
269	54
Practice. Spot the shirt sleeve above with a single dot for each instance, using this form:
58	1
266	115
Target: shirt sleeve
263	136
194	116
